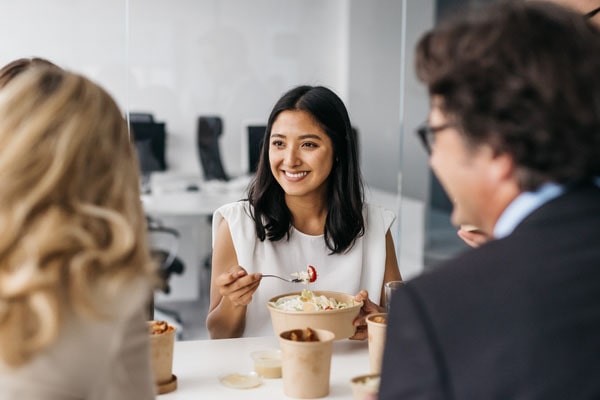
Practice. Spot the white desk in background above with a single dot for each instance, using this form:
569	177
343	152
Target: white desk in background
199	363
188	211
185	204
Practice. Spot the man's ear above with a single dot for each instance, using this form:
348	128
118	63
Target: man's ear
502	167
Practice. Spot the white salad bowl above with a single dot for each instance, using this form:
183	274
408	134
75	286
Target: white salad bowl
339	320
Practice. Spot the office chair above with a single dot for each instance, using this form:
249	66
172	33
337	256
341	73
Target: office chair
150	140
207	137
141	117
255	134
169	264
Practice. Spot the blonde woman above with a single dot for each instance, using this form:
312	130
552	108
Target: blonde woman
75	272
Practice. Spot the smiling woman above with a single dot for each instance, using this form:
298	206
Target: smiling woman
305	206
312	155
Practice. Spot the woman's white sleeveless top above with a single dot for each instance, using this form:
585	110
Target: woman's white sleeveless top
360	268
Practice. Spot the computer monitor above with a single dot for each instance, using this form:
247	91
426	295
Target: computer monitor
150	141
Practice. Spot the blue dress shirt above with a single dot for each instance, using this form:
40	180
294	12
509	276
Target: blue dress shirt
523	205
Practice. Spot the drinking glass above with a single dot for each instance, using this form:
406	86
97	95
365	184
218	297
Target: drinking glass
390	288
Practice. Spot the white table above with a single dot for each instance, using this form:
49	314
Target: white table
198	365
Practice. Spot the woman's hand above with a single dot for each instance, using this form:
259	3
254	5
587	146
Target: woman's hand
360	321
237	286
473	238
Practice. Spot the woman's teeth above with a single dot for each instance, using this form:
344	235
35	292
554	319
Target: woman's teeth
296	175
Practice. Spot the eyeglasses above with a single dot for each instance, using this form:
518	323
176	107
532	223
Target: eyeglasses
592	13
427	134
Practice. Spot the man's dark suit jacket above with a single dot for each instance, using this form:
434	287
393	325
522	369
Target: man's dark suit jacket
518	318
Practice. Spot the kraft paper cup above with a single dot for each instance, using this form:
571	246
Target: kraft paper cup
162	345
376	326
365	387
306	366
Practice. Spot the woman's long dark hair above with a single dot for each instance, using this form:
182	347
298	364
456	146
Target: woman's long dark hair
345	198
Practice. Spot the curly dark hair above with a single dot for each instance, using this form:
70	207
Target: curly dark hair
524	78
345	195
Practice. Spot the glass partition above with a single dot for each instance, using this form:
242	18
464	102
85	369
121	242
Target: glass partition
441	241
232	59
176	62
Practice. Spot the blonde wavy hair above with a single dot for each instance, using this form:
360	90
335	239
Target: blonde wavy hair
72	229
20	65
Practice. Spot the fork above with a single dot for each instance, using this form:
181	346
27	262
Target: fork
292	280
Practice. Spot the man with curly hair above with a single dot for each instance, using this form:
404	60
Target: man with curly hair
514	137
590	9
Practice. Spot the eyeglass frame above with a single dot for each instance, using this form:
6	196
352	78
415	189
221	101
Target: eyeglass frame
592	13
426	134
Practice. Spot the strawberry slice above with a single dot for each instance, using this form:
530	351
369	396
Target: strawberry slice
312	273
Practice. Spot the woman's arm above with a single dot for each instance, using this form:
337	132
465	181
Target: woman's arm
231	289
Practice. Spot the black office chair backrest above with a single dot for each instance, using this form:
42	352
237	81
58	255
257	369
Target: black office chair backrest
255	141
207	137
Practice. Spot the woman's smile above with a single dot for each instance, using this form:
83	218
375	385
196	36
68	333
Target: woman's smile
295	176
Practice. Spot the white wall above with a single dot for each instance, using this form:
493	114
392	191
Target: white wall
374	84
414	161
86	35
232	58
